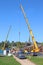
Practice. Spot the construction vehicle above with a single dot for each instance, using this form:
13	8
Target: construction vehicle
3	48
35	48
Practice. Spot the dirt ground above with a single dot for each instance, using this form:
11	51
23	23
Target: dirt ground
24	61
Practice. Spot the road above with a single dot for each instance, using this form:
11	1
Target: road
24	61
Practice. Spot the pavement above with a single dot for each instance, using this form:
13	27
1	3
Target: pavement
24	61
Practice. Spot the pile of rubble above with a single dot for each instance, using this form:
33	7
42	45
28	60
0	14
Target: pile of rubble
41	48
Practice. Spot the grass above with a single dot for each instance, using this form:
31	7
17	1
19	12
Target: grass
37	60
8	61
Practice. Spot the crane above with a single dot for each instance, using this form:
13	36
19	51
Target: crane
6	38
35	46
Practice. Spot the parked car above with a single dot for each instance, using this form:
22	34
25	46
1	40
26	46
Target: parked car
20	54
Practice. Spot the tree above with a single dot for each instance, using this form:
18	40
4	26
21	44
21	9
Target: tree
19	45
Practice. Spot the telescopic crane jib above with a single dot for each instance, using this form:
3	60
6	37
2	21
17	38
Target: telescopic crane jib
6	38
35	47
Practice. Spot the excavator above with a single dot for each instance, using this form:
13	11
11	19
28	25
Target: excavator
3	48
35	48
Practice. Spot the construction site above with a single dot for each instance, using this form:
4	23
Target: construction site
13	50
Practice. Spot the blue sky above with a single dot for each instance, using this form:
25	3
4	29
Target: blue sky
11	14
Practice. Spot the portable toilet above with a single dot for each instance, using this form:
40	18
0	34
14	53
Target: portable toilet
4	52
1	52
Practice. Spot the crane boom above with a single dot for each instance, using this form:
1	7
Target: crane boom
6	38
33	39
8	33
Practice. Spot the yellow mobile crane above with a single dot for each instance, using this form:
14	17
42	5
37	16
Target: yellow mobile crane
35	47
6	38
